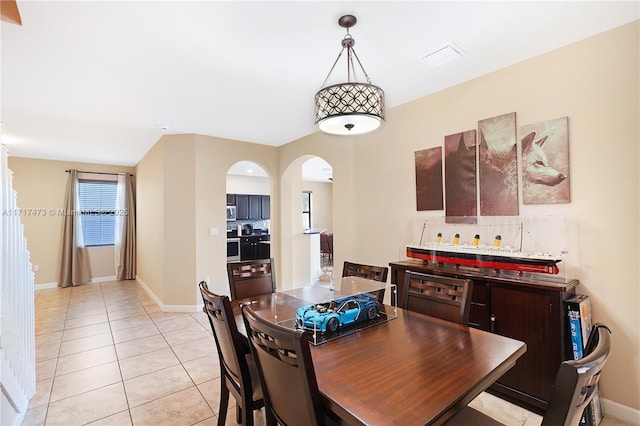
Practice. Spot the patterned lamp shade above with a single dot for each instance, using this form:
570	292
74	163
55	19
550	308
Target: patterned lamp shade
349	108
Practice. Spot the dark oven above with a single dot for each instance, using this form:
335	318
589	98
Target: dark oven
233	249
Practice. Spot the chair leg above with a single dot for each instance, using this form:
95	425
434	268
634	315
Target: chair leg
247	414
238	413
224	404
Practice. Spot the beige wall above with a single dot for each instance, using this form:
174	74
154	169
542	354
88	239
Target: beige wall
41	185
182	197
595	83
321	204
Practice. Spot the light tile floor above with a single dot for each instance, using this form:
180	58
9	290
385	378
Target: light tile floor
107	355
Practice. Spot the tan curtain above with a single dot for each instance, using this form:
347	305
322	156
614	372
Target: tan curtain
125	238
74	268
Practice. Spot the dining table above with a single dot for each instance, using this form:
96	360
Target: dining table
411	369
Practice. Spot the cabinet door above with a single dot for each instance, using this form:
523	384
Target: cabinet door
242	206
526	316
266	206
255	206
263	251
231	199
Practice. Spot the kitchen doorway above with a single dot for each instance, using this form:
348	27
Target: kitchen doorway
248	210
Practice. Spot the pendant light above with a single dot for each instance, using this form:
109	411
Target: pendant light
350	108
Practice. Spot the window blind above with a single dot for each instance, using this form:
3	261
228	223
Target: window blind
97	207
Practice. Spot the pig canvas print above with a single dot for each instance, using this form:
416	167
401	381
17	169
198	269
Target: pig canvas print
545	162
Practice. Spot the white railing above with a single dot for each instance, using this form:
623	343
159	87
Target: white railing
17	326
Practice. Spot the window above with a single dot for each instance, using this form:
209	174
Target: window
306	209
97	207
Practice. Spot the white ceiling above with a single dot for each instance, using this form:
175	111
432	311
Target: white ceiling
97	81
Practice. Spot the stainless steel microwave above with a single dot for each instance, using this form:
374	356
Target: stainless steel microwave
231	212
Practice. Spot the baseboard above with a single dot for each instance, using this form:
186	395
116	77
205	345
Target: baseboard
95	280
168	308
621	412
44	286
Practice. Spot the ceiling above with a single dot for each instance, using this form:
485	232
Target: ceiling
103	81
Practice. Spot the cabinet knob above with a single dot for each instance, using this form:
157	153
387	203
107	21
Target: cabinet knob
493	323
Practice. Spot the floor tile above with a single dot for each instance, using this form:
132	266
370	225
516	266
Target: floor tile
143	389
175	323
43	393
85	310
181	408
88	406
140	346
122	418
195	349
48	351
85	380
195	332
211	392
48	338
86	331
127	313
203	369
85	344
127	334
35	416
46	369
138	321
86	359
147	363
84	321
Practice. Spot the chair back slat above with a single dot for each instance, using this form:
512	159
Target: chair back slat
283	358
376	273
576	381
441	297
251	278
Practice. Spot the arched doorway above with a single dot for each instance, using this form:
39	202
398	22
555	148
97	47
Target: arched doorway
248	208
300	248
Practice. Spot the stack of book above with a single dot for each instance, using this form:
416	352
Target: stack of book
579	314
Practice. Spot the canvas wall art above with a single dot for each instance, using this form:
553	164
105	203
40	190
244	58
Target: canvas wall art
429	179
545	162
460	177
498	166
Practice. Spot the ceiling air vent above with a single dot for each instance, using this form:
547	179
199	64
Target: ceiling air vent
442	55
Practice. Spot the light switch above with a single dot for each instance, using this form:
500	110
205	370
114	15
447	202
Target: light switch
213	232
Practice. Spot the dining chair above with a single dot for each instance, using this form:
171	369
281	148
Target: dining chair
250	278
376	273
572	391
238	374
442	297
287	376
326	245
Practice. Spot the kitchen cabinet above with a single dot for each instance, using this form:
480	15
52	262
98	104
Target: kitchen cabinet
242	206
266	206
523	307
255	207
254	247
250	206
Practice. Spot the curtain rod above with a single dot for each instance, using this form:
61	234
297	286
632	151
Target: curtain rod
101	173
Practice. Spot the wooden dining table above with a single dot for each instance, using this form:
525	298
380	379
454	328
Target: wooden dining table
411	370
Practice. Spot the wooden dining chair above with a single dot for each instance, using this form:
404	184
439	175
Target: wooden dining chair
572	391
376	273
250	278
442	297
285	367
238	374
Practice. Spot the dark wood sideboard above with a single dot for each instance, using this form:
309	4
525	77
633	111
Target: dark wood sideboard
522	307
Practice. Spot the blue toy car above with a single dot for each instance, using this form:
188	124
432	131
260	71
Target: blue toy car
337	313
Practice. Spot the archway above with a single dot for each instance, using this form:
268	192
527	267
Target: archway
248	208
